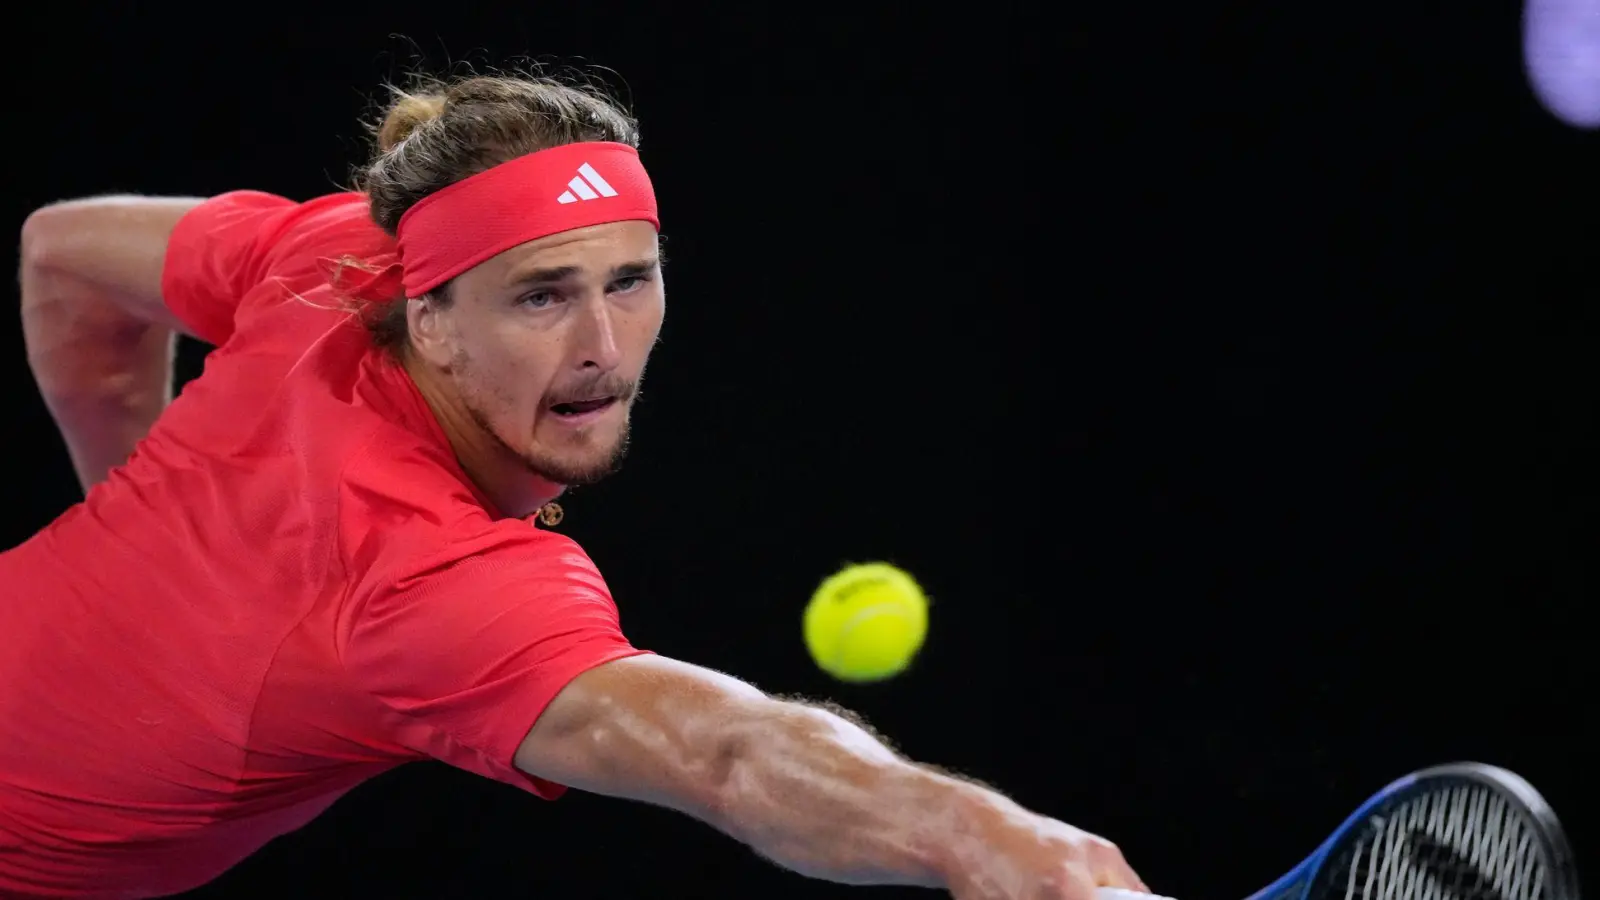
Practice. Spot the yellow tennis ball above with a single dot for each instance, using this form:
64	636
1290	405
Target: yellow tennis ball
866	622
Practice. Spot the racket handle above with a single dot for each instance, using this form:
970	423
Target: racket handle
1120	894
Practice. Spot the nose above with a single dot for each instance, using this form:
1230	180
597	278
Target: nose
596	336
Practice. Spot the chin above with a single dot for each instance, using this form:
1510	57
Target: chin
562	474
576	469
577	457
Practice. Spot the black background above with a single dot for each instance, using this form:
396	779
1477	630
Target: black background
1224	372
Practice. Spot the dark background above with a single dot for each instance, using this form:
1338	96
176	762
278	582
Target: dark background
1224	371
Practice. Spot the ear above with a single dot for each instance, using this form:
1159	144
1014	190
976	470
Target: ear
432	331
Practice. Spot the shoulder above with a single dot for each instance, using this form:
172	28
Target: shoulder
266	231
344	217
275	215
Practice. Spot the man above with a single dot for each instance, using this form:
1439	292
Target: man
324	559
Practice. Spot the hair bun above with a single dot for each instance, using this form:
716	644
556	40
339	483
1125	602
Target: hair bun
407	114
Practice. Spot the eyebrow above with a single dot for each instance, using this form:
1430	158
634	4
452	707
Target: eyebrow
553	274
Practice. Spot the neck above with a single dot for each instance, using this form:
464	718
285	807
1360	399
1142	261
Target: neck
498	473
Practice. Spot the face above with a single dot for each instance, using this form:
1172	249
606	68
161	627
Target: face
544	345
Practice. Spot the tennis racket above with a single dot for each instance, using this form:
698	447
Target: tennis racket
1463	831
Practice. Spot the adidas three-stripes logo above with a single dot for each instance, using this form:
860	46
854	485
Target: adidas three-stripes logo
588	185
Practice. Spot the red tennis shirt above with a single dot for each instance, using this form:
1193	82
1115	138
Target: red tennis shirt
291	587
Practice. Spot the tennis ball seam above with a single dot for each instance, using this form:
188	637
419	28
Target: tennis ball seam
842	636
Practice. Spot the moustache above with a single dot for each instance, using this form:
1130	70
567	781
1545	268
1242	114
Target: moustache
613	387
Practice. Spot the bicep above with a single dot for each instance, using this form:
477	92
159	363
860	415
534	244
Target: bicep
117	244
644	728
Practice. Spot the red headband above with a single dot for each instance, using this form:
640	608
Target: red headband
532	196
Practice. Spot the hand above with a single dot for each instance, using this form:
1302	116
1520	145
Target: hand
1035	858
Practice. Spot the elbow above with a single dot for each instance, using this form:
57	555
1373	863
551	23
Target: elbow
42	235
721	773
727	772
55	236
35	240
42	275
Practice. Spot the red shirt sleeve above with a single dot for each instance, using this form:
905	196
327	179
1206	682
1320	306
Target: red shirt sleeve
216	254
226	247
466	626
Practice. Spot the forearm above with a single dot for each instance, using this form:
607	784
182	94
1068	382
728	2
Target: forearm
818	794
804	787
104	375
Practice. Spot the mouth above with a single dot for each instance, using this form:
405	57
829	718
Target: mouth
580	410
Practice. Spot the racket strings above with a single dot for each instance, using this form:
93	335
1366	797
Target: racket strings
1458	843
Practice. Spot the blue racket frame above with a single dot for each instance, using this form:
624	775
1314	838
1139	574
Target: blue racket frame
1299	880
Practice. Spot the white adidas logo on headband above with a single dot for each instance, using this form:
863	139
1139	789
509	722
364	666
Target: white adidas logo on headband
587	190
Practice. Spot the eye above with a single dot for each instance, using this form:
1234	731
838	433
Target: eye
629	283
537	299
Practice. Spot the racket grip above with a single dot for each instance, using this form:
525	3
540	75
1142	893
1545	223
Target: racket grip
1120	894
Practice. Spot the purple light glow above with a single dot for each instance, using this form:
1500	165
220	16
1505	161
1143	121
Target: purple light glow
1561	45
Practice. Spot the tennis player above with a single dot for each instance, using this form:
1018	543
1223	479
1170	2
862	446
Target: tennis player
325	558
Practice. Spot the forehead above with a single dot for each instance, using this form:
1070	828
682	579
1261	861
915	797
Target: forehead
595	249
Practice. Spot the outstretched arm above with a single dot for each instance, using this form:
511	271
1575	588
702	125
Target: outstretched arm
804	787
99	337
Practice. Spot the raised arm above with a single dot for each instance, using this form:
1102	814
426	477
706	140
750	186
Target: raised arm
804	787
99	337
